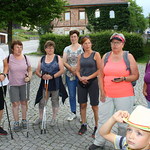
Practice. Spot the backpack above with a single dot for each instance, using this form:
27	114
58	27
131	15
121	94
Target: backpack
126	60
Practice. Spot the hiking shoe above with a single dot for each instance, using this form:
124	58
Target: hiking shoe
24	124
93	134
71	116
95	147
38	121
16	126
2	131
53	122
83	129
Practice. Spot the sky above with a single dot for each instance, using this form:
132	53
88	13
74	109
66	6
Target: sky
145	4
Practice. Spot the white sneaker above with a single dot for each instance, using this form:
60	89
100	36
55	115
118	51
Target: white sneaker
38	121
53	122
71	116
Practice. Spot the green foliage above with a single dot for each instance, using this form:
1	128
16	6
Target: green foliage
137	21
104	22
100	42
30	13
127	18
61	42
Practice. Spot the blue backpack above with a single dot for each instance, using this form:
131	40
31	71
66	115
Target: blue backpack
126	60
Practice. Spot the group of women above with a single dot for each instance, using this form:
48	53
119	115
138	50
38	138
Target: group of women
85	73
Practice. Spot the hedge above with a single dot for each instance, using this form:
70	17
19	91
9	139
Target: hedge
100	41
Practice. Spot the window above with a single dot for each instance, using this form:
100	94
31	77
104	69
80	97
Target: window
82	15
112	14
97	13
67	15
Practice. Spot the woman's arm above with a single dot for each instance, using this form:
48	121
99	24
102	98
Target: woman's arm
134	75
61	68
101	81
145	89
78	68
5	70
38	70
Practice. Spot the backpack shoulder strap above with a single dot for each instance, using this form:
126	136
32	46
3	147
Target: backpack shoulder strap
42	58
26	59
120	143
8	58
126	59
106	57
56	57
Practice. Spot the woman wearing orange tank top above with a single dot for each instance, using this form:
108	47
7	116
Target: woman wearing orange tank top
117	92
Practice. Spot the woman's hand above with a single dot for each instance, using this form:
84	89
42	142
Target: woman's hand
73	70
27	79
47	77
2	77
84	79
144	93
102	97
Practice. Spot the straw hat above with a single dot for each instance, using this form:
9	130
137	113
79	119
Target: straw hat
139	118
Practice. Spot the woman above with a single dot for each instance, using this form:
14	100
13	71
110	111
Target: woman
87	71
146	86
20	74
117	92
3	84
49	69
70	56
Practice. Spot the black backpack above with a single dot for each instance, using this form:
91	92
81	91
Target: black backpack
126	60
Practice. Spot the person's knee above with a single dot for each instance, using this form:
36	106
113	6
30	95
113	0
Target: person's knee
83	106
15	104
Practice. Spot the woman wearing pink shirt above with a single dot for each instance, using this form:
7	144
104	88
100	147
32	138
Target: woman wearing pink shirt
117	92
19	75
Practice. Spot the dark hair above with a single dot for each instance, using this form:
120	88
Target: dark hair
16	42
74	32
49	43
84	38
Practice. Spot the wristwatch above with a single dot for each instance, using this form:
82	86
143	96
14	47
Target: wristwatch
124	78
3	74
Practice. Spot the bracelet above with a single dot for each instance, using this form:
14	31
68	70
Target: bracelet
53	76
3	74
124	79
41	76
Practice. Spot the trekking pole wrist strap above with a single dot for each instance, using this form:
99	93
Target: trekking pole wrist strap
3	74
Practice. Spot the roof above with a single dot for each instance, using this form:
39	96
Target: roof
95	2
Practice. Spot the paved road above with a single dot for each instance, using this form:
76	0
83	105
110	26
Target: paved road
64	135
28	46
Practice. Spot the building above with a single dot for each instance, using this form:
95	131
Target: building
76	18
3	38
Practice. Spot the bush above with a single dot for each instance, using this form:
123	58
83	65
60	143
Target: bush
100	41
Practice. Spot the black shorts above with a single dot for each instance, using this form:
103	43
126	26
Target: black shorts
92	91
2	98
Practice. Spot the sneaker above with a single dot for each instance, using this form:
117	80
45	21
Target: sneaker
83	129
71	116
2	131
38	121
53	122
16	126
95	147
24	124
93	134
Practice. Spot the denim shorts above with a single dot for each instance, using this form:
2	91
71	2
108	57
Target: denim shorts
19	93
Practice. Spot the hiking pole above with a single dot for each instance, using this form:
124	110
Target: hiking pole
27	96
6	110
43	127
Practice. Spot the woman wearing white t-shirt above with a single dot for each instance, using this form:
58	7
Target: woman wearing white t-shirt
3	82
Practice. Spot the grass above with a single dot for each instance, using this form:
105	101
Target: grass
24	35
146	56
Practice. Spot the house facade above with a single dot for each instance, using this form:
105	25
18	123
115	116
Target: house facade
75	16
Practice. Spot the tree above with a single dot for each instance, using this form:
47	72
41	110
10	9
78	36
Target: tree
30	13
137	22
